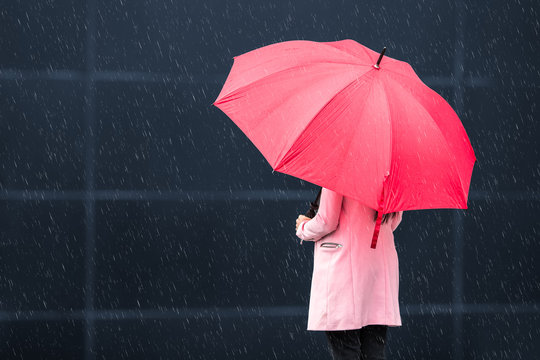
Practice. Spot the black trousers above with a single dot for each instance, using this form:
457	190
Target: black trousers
366	343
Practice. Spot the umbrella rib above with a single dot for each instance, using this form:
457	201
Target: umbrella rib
356	129
391	142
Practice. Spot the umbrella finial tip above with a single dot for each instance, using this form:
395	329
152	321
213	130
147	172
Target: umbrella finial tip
376	66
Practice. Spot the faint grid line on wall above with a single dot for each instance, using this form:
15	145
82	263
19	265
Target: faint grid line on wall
252	312
89	183
144	77
457	271
458	275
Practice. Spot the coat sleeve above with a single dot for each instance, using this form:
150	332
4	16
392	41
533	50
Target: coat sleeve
396	220
326	220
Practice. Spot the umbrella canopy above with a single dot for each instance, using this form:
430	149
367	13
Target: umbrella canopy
337	115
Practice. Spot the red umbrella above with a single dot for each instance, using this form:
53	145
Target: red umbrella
341	116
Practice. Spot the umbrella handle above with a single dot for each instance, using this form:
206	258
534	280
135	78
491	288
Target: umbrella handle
376	66
379	213
377	228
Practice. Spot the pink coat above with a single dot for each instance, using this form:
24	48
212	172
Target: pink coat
353	285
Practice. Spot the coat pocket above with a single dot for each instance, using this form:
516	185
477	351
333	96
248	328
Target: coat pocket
331	245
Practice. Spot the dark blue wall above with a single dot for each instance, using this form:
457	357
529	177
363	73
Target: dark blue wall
136	220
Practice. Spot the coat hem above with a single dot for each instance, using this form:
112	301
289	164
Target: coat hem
337	327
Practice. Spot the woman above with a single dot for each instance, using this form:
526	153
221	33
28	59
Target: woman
354	289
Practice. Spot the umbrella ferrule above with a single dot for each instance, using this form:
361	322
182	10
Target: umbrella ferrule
376	66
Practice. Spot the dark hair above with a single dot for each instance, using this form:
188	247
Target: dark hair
385	217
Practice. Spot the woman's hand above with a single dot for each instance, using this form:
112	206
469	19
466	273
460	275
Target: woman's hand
300	220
